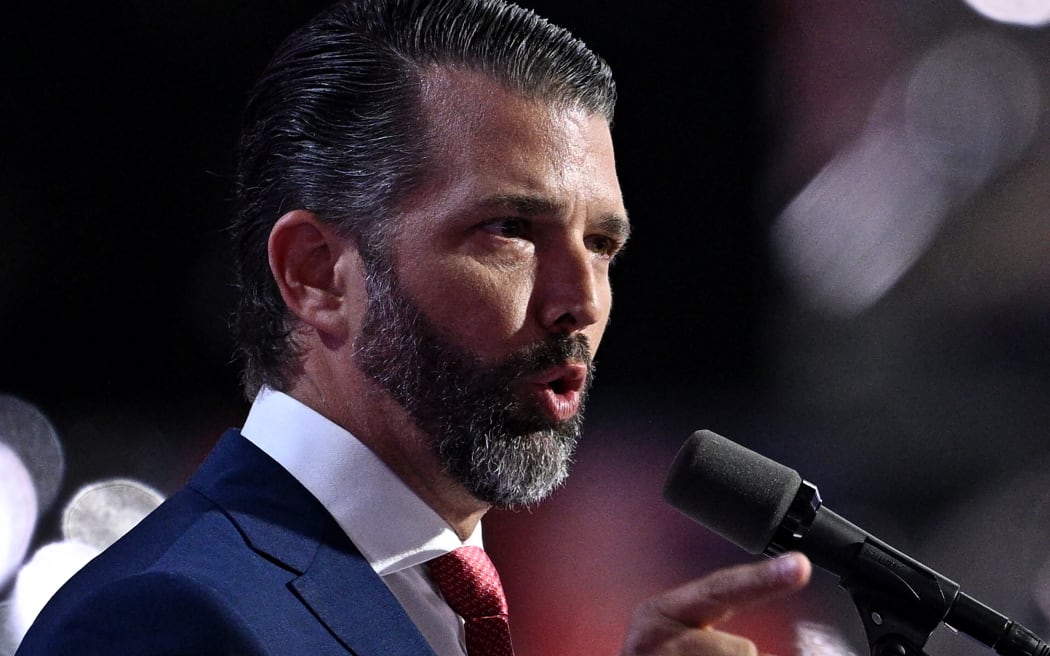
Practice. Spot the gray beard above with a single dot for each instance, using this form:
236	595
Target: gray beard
497	444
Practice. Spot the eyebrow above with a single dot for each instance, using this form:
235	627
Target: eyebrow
526	205
618	225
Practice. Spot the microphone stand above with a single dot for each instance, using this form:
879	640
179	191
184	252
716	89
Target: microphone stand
900	608
901	601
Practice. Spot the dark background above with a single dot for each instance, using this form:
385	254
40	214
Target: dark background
119	126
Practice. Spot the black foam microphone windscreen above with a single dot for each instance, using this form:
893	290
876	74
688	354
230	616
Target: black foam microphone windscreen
737	493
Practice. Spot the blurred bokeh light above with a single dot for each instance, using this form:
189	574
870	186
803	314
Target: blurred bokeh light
1020	12
18	508
936	135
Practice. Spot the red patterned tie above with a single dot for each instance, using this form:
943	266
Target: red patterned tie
470	584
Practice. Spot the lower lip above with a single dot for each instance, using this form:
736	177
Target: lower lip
559	407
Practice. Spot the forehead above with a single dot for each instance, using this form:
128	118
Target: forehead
481	132
462	102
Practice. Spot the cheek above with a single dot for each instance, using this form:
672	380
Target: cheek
475	306
594	333
350	271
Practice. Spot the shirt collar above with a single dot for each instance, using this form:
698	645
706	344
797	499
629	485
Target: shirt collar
393	528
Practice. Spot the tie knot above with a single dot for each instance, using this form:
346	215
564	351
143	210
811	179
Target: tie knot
469	582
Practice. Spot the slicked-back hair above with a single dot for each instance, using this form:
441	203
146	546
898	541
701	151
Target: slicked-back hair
335	126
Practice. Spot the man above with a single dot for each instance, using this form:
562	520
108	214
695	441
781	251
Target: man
429	212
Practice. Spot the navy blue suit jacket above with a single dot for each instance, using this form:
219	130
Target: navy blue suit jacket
243	560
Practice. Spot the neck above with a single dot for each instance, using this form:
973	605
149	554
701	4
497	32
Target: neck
381	424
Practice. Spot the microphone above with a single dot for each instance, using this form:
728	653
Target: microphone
767	508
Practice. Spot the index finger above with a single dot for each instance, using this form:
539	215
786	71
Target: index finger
716	597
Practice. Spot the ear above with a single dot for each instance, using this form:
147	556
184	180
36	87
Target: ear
307	259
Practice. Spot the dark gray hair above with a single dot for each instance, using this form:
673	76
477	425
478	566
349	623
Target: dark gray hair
334	126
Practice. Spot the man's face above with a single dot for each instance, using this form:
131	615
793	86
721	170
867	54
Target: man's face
498	291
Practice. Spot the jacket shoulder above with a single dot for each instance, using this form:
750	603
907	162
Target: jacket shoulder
151	613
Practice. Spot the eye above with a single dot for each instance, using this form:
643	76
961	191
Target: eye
603	245
508	228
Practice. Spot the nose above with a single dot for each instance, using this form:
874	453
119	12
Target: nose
571	291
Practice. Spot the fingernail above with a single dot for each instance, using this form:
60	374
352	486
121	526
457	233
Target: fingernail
786	567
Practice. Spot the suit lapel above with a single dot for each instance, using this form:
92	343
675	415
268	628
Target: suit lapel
353	602
282	520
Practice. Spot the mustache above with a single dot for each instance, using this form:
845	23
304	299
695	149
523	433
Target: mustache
558	350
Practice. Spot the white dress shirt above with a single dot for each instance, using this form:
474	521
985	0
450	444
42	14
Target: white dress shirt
394	529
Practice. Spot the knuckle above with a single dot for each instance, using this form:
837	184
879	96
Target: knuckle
723	644
742	647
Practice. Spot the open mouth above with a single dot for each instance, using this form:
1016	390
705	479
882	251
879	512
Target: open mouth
559	386
560	390
565	378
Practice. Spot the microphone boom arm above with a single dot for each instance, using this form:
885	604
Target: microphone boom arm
900	600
